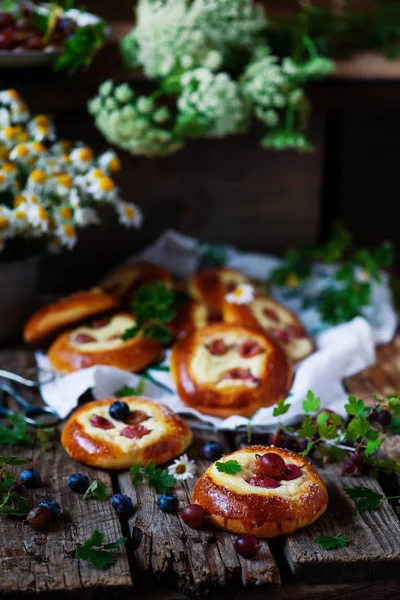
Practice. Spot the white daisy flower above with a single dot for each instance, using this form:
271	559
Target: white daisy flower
82	158
4	182
94	175
6	222
38	218
21	153
62	184
61	147
182	468
41	129
243	294
5	117
109	162
36	181
67	235
104	188
84	216
129	214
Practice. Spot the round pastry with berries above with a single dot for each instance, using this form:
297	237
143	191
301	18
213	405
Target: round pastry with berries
126	280
192	316
101	342
275	320
50	319
97	435
210	286
260	490
225	370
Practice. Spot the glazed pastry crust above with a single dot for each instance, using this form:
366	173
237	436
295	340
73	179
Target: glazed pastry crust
50	319
210	286
109	450
126	280
274	381
264	512
192	316
132	355
251	315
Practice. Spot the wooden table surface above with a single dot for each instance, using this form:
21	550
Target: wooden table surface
174	561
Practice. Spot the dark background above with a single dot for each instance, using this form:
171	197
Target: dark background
231	190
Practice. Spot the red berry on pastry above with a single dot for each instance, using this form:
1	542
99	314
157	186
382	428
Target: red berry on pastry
101	422
135	432
295	331
84	338
218	347
291	472
243	374
249	348
272	314
265	482
279	334
135	417
269	464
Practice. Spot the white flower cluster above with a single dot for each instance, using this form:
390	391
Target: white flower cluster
214	100
48	188
134	123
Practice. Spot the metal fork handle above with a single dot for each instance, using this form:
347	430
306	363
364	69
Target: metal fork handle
23	380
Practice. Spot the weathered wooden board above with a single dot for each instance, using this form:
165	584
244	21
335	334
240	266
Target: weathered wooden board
199	560
374	548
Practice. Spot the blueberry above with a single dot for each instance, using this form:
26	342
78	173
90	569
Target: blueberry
119	410
168	503
212	451
55	508
30	478
78	483
122	505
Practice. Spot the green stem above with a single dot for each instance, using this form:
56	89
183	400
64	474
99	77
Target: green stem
310	46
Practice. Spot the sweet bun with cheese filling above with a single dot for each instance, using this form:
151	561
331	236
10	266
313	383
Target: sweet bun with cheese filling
265	506
275	320
100	343
126	280
225	370
151	431
50	319
192	316
210	286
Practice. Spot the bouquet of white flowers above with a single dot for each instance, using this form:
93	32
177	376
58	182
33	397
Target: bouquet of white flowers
50	188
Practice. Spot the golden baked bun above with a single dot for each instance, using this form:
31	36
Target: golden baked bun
239	503
126	280
210	286
192	316
50	319
275	320
225	370
150	432
101	343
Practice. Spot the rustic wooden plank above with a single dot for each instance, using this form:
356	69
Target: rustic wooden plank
198	560
374	549
43	561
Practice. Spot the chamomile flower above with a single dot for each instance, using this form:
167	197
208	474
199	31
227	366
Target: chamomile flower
36	181
67	235
109	162
94	175
129	214
4	153
6	222
61	147
4	182
182	468
10	136
103	188
38	217
21	154
82	158
84	216
242	294
63	184
41	131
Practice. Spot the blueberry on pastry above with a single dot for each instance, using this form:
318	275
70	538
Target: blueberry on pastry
275	320
126	280
100	343
225	370
50	319
273	492
210	286
150	431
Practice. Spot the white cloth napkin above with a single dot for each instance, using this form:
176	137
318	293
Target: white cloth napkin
341	351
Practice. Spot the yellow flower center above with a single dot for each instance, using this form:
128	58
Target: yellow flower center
66	212
115	165
65	180
4	153
21	150
42	120
66	158
19	199
38	147
2	179
180	469
33	199
23	137
69	230
38	176
4	223
20	214
11	132
86	154
14	94
237	292
9	168
106	184
130	212
43	214
97	173
43	129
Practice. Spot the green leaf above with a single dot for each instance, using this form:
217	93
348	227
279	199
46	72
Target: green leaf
309	446
157	332
308	428
96	539
355	407
161	481
130	333
115	545
136	473
330	542
98	489
126	390
14	504
81	46
281	408
230	467
311	404
13	460
95	552
332	452
16	434
366	499
43	435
